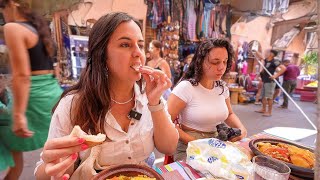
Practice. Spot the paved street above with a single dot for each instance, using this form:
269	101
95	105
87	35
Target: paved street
253	121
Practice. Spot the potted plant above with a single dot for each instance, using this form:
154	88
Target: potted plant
310	60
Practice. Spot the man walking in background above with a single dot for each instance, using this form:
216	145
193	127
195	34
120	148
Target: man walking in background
289	80
269	85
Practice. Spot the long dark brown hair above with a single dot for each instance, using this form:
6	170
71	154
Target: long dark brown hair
195	70
157	44
37	21
92	94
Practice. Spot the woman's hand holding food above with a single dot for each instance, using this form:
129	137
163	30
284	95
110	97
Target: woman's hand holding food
60	154
156	83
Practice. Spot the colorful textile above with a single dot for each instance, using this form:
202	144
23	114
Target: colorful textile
176	11
199	10
160	9
184	28
154	16
229	21
207	15
269	7
192	19
178	166
166	10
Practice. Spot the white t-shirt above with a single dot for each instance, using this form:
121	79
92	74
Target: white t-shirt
205	108
132	147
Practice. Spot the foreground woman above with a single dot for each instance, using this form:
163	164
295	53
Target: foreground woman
110	88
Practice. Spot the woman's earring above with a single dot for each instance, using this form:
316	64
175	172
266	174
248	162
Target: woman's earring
106	72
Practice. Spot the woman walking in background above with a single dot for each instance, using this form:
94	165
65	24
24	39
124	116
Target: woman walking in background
157	62
35	90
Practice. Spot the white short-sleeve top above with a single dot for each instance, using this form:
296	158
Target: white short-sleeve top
205	108
132	147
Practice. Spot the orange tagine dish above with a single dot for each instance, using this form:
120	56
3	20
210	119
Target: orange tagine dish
288	153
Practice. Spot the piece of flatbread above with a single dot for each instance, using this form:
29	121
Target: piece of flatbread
90	140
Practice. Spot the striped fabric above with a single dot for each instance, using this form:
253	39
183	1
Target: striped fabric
178	166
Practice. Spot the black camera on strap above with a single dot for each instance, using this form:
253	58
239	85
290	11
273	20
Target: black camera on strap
226	133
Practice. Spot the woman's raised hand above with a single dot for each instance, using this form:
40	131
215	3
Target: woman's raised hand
156	83
60	154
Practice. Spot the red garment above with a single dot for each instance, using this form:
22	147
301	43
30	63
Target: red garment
291	73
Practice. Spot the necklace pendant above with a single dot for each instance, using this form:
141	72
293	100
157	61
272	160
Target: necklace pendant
122	103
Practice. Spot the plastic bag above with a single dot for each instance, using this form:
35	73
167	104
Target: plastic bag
221	159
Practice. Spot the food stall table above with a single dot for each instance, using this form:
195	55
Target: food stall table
177	170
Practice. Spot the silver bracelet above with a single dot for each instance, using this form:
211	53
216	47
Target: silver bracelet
156	108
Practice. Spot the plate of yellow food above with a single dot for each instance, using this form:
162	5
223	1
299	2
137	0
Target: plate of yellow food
128	172
300	159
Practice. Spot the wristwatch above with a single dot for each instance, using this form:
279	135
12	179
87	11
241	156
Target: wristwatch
156	108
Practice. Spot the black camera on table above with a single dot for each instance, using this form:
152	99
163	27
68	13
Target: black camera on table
226	133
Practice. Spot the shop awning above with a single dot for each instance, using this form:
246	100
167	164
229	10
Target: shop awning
286	39
300	9
49	6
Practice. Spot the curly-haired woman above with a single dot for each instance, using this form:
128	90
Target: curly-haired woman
202	98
